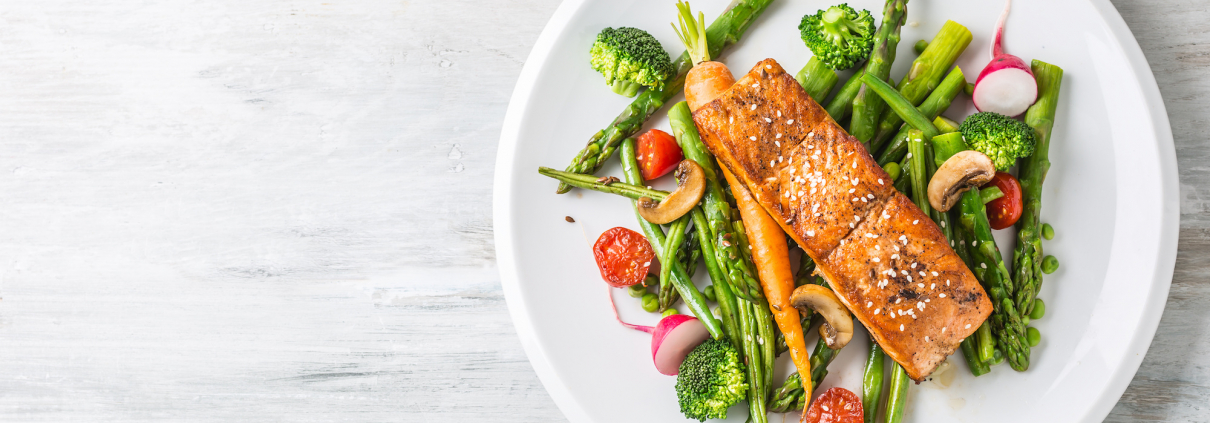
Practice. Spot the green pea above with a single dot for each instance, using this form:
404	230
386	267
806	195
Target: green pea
1048	231
669	312
893	170
997	357
637	290
709	293
1033	336
716	312
1050	264
1025	320
651	303
920	46
1039	309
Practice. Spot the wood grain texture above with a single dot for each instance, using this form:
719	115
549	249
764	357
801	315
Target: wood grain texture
281	211
257	211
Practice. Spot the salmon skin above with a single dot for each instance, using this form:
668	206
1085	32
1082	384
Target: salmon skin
885	259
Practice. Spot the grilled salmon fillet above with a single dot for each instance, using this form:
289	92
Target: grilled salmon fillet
885	259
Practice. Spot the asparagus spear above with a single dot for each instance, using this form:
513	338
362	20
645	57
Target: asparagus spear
936	103
738	270
608	185
687	254
680	278
926	72
790	396
842	104
867	107
817	79
987	264
972	344
724	31
1027	256
722	289
871	386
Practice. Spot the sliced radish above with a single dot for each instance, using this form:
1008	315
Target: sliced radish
672	339
1006	85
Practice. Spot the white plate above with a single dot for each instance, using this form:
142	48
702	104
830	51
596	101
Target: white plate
1111	196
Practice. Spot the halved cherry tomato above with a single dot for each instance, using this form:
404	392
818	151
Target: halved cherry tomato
623	256
658	154
1004	211
836	405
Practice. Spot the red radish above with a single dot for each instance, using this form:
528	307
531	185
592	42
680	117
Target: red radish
1006	85
673	338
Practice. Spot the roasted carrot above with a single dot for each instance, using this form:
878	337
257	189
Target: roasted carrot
705	82
772	258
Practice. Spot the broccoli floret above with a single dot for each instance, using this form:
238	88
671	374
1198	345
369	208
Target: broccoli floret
630	59
711	379
839	36
1001	138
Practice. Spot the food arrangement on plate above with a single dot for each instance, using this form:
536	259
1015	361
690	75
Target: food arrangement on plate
813	202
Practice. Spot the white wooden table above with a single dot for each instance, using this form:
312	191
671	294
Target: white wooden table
280	211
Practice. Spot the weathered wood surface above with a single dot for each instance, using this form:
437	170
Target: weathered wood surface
203	219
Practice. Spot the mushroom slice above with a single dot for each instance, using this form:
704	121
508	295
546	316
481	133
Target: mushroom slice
838	328
690	184
957	175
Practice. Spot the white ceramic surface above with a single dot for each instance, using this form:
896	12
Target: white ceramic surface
1111	195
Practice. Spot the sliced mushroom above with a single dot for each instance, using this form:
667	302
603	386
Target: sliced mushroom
957	175
838	328
690	184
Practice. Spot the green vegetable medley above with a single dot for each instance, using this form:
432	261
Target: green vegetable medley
899	123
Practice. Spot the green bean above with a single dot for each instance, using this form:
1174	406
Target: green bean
871	386
709	293
1034	336
920	46
689	293
969	89
1048	232
1050	264
669	312
997	358
651	303
896	400
1039	309
675	236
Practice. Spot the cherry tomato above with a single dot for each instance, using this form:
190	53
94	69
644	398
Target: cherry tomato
1004	211
658	154
836	405
623	256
